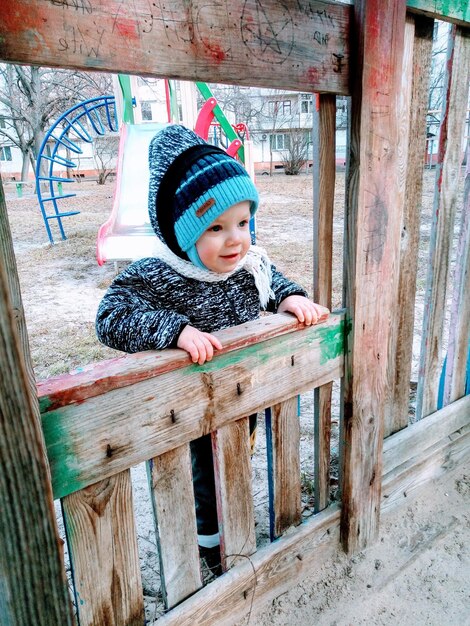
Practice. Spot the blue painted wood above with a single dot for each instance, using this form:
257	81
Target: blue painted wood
269	455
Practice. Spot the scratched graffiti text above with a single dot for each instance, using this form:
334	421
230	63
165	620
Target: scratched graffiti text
82	6
76	41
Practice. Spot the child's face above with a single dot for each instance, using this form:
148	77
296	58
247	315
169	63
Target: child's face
227	240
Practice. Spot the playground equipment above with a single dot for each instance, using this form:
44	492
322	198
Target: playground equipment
80	122
127	234
100	422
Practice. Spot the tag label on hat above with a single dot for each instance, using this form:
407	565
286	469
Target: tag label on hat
205	207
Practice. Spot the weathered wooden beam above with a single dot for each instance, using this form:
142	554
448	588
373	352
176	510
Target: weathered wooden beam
418	78
403	446
445	205
279	566
102	540
455	11
324	174
172	498
270	572
232	472
430	464
296	45
106	434
33	587
374	240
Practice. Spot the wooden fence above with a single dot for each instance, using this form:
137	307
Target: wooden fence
93	426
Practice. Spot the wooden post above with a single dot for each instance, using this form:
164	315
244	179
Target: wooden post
445	201
418	77
324	173
34	587
11	273
372	272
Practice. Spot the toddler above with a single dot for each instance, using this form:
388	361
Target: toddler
206	276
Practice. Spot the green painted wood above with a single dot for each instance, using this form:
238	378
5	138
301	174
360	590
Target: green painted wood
92	439
456	11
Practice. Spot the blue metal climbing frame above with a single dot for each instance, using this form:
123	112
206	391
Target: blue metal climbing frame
82	122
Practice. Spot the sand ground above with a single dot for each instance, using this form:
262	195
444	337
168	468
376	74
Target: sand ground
417	574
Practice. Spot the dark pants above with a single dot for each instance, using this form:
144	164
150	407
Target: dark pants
203	481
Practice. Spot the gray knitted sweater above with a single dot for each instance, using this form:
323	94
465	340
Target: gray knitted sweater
149	303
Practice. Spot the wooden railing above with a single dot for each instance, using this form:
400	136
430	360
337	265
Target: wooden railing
148	407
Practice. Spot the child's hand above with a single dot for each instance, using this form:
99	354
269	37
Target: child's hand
304	309
200	346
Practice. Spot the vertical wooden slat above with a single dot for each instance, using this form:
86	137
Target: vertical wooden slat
418	77
102	540
33	588
322	440
445	200
324	173
284	455
459	337
175	519
232	470
374	239
404	103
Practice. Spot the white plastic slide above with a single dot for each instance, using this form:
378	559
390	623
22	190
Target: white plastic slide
127	234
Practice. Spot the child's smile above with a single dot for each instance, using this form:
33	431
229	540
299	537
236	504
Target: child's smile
227	240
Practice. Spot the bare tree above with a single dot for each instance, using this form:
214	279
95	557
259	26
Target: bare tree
31	97
240	104
296	153
105	151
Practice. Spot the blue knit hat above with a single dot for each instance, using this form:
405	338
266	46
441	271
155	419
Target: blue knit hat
191	184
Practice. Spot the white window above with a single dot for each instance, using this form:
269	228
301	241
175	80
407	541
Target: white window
146	109
273	106
279	141
5	153
279	106
306	103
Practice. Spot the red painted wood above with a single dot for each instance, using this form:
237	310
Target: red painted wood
93	380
